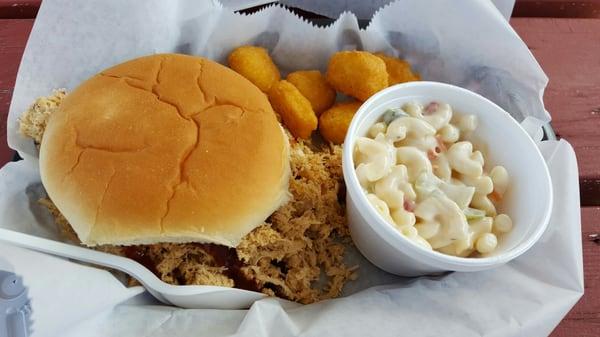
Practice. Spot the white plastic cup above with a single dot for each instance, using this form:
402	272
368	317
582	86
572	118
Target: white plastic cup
528	200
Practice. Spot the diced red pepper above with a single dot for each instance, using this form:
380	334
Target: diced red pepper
495	196
409	205
431	108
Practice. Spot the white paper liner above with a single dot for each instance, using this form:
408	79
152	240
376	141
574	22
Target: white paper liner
466	43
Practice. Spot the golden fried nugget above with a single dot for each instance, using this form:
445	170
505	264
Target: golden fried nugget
398	70
295	110
255	64
358	74
314	87
334	123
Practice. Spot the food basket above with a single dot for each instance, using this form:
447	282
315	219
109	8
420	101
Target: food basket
71	41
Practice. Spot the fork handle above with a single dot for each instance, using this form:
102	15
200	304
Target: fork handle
52	247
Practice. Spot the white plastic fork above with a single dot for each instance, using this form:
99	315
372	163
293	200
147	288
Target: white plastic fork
193	297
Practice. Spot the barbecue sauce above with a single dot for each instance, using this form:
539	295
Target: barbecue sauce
227	257
139	255
223	256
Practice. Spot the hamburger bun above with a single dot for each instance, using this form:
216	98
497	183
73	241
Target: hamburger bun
165	148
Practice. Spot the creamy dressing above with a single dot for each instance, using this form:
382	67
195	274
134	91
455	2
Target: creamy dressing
425	179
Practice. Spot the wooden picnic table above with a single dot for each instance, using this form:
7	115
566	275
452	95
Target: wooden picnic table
564	36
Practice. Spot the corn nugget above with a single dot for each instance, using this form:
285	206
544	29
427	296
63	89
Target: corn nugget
255	64
358	74
295	110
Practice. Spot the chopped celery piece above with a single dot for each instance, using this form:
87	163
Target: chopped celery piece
473	213
391	114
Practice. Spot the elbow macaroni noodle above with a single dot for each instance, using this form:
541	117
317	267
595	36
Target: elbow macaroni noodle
423	177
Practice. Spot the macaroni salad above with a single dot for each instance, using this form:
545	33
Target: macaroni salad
423	177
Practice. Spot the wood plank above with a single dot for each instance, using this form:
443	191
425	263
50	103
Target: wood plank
584	319
22	9
557	9
13	37
27	9
589	191
569	52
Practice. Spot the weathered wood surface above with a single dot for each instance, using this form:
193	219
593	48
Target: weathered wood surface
568	51
13	37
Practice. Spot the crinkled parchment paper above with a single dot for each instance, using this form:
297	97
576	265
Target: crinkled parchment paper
467	43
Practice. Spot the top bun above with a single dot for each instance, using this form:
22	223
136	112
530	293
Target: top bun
165	148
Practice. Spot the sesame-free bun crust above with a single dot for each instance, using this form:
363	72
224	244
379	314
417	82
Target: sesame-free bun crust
165	148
